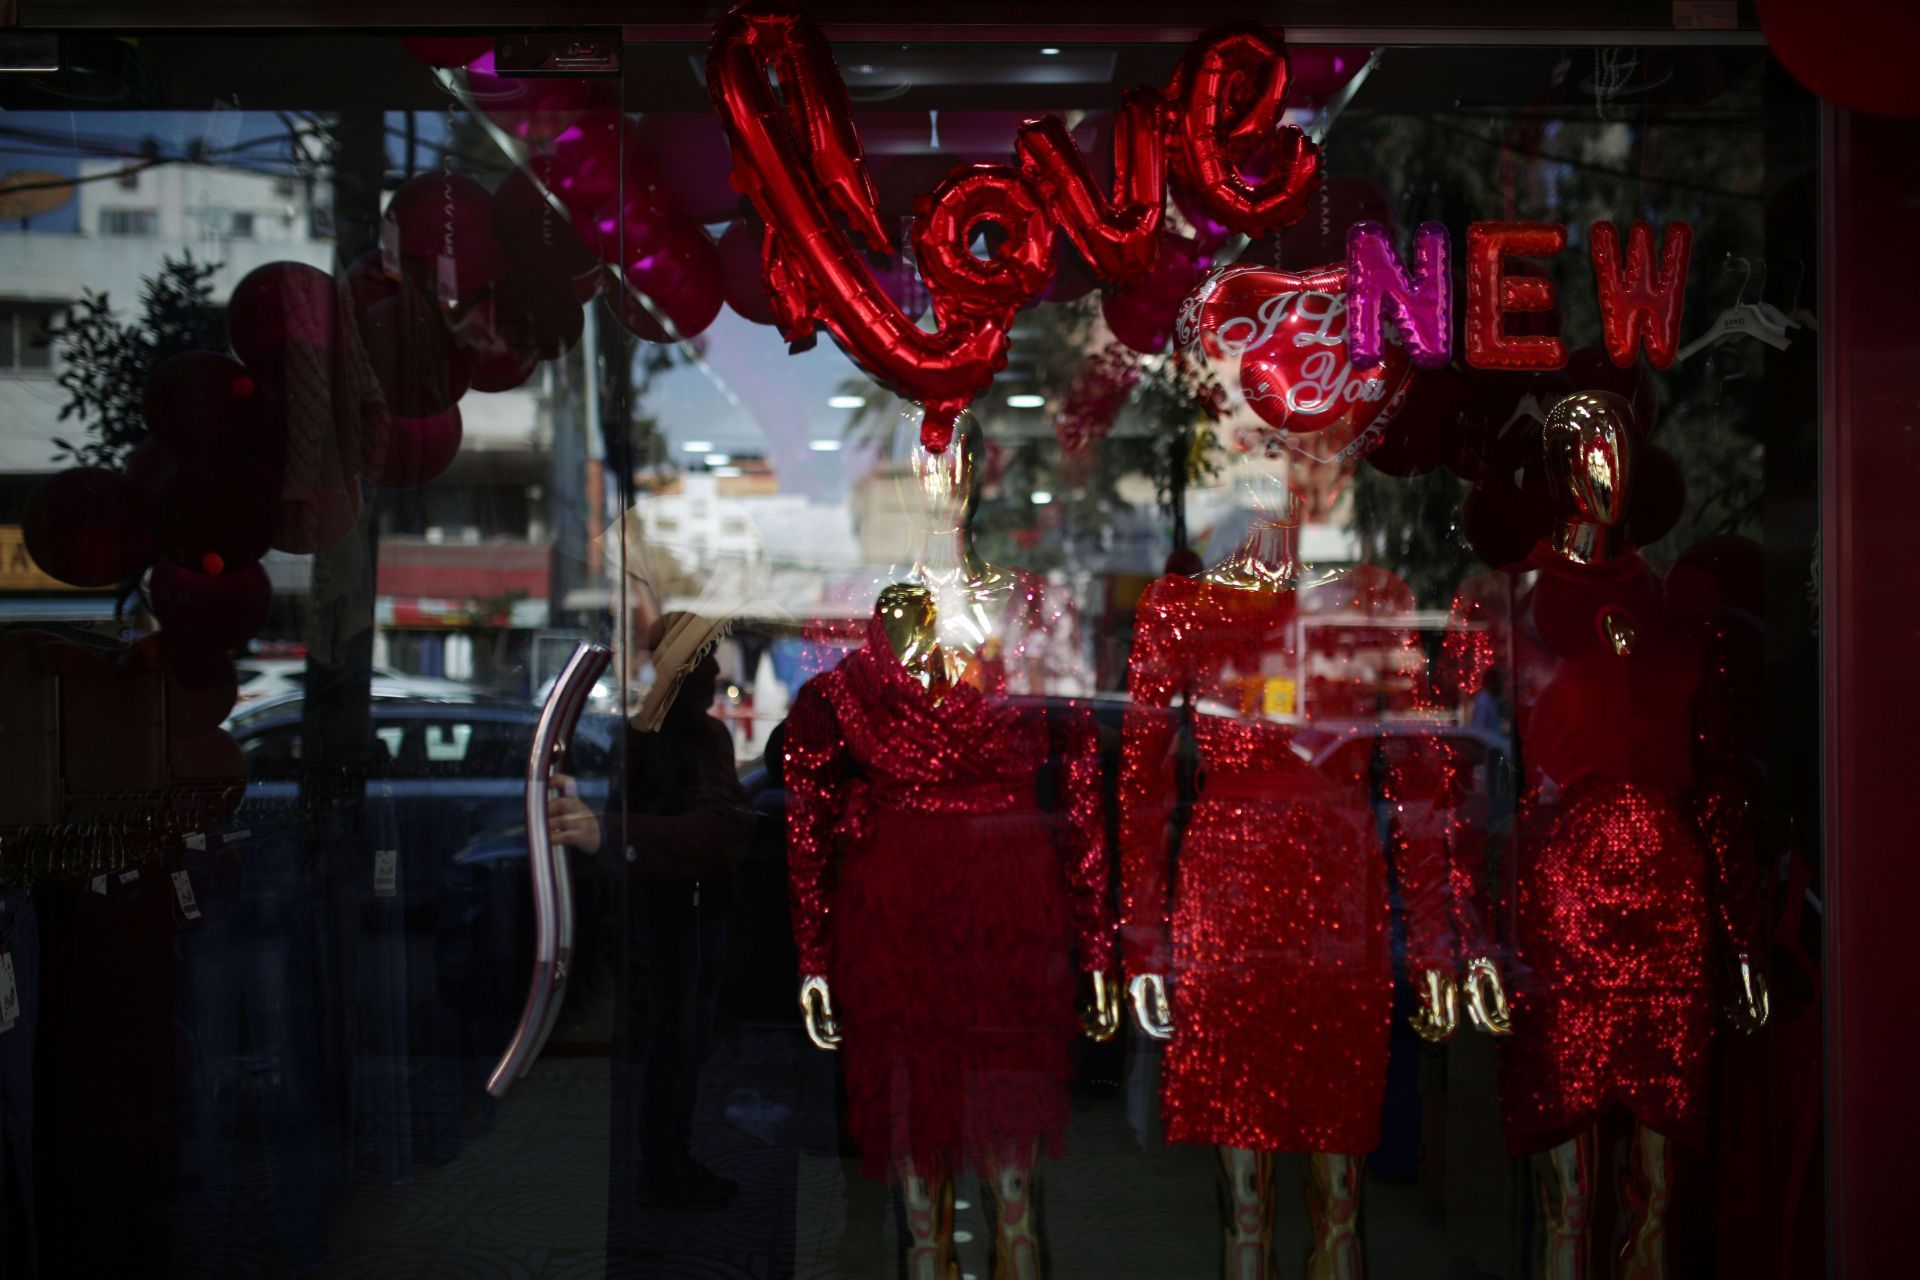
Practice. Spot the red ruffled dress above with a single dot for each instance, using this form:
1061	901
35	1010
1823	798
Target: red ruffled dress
946	859
1627	869
1276	937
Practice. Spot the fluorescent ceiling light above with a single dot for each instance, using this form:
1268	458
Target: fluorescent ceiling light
719	459
846	402
1026	400
697	446
824	445
1041	497
1050	51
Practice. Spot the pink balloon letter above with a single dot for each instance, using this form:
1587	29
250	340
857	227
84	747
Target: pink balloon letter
1378	289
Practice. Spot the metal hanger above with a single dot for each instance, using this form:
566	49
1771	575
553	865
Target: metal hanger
1743	319
1799	317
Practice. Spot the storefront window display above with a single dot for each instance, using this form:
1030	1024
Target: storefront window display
1187	655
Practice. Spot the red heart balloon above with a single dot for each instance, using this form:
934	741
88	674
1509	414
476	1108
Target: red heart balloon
1287	332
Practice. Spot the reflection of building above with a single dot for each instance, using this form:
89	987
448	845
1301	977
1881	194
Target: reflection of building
124	221
733	541
464	567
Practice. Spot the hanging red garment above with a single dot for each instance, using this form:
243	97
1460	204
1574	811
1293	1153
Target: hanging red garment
1627	870
947	860
1276	944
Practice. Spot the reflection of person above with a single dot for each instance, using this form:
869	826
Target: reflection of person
1488	714
686	821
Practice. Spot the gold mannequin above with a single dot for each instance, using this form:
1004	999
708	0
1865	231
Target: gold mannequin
1589	459
1267	559
910	617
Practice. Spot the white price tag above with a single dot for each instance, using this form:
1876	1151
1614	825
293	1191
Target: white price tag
128	877
386	873
100	884
196	840
9	993
183	892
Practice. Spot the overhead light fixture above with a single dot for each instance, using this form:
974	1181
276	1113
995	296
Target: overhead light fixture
846	402
1041	497
697	446
1050	51
1026	400
719	459
824	445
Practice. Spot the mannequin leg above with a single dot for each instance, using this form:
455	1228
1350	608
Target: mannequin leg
1247	1183
929	1204
1333	1206
1648	1195
1016	1224
1564	1177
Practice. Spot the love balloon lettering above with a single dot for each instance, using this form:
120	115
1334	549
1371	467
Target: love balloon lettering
797	158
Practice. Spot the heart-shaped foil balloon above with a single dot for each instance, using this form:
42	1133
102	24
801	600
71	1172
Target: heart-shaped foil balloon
1280	337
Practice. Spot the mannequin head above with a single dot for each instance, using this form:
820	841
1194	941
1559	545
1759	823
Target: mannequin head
1589	455
1264	468
906	613
942	489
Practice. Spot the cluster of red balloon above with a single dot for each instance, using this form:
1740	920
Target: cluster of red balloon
332	379
595	181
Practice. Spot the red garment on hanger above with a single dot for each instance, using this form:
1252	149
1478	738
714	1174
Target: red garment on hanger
1627	872
1277	948
947	860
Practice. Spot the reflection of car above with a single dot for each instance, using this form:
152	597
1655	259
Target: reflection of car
482	743
290	701
263	678
444	778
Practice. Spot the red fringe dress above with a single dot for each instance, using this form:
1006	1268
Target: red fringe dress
1627	869
1277	947
946	859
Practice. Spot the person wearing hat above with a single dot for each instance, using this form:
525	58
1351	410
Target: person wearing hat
685	821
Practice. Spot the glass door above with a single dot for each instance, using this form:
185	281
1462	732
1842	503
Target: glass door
315	414
520	761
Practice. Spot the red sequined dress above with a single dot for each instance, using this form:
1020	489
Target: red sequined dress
1627	869
1276	943
946	860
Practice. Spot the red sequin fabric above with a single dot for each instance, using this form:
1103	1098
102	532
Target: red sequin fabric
1626	866
1276	943
947	861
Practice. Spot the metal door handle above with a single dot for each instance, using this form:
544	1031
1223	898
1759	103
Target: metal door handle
552	883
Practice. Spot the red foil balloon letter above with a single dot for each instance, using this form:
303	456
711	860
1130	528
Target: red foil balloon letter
1229	96
1491	294
795	160
1378	289
1640	304
1117	237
